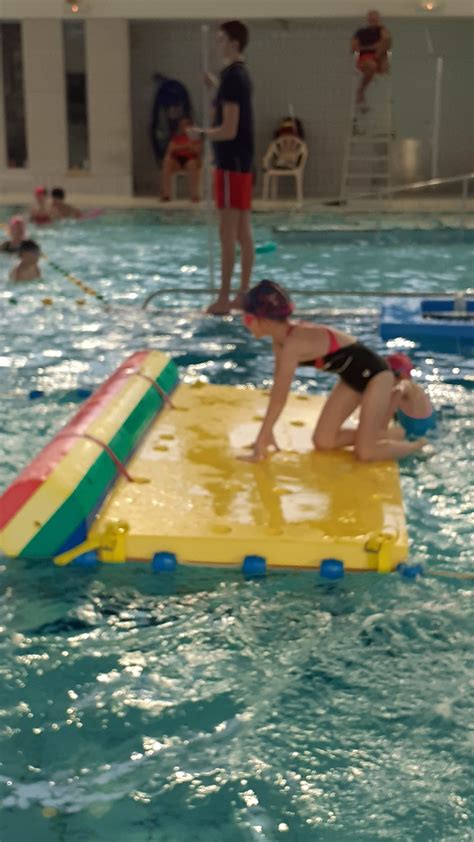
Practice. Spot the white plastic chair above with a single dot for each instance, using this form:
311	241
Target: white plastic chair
185	175
286	156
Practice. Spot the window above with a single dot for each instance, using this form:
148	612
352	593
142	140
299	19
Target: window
13	94
76	95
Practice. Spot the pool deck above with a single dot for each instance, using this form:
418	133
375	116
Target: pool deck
445	204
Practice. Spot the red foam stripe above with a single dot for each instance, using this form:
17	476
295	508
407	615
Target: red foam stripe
42	465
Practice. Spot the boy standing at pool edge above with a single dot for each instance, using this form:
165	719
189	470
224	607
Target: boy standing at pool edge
232	134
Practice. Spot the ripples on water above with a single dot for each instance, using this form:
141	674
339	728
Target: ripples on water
202	707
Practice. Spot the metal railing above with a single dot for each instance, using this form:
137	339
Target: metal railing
416	185
313	293
383	192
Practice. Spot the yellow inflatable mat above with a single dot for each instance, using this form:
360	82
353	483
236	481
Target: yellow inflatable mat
197	502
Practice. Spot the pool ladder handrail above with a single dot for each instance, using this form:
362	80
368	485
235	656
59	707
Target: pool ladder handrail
356	293
418	185
389	190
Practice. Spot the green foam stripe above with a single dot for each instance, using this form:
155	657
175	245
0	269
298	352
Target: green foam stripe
92	488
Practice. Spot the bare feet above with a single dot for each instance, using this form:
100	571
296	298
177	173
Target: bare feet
424	449
219	307
395	433
237	303
417	445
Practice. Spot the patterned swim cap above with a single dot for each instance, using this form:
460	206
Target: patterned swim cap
268	300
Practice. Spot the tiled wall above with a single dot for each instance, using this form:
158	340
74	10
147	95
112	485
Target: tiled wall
307	64
108	80
108	96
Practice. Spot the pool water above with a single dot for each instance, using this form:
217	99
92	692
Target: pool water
200	706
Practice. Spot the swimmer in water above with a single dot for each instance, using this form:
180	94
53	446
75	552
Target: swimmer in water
27	268
410	404
39	213
365	380
59	209
16	229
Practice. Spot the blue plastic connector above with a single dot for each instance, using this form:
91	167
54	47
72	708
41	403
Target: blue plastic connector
332	568
410	571
82	393
254	565
164	563
88	559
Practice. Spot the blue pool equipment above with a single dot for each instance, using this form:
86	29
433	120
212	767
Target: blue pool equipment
254	566
445	324
266	248
88	560
332	568
164	563
410	571
81	393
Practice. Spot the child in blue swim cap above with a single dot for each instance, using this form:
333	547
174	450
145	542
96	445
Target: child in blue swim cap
410	403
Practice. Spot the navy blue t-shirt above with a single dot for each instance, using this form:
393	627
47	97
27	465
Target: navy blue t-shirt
235	86
367	37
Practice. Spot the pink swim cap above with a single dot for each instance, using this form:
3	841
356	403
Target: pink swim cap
17	220
40	191
400	364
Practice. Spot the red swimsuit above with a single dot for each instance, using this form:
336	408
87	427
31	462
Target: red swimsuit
355	364
319	362
333	346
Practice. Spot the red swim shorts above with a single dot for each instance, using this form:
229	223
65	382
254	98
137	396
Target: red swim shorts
233	189
371	56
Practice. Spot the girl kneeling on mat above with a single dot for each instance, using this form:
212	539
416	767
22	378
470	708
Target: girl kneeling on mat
366	380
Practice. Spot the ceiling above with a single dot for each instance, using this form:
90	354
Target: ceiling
219	9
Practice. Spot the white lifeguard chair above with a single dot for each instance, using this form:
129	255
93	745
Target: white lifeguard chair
286	157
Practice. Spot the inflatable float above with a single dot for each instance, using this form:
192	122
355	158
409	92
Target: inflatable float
445	324
147	470
92	213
